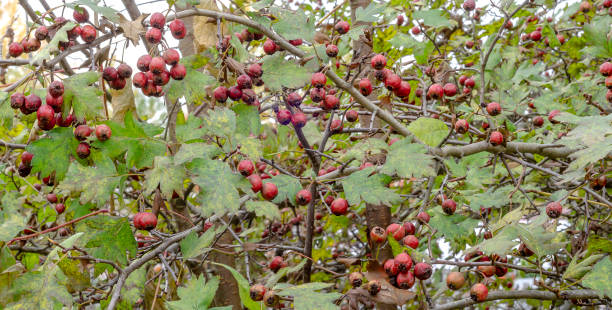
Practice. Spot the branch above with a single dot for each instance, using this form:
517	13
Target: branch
549	150
527	294
12	145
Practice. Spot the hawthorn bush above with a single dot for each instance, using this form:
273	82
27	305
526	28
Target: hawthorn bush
307	154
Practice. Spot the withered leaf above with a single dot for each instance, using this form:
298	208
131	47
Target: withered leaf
132	29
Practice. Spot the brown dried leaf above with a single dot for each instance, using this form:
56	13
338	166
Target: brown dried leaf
348	261
388	293
321	38
123	101
132	29
204	31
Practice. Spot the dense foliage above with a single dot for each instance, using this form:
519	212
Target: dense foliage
307	155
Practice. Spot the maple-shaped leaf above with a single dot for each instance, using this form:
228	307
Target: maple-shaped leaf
193	86
293	24
83	98
279	72
430	131
190	130
108	237
453	226
53	46
600	278
538	239
218	193
132	29
52	153
306	297
501	243
94	183
6	112
365	147
247	119
134	139
39	290
167	175
371	188
220	122
197	295
263	208
408	160
576	270
287	187
191	151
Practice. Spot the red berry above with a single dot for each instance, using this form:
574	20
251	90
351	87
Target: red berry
283	117
435	91
405	280
256	183
409	228
403	261
32	103
450	89
56	88
88	33
119	83
157	65
60	208
342	27
411	241
81	132
496	138
17	100
378	62
462	79
153	35
64	122
606	68
462	126
535	35
317	94
493	108
103	132
318	80
83	150
270	47
396	231
339	206
331	102
277	262
26	157
140	80
393	82
365	87
422	271
246	167
538	121
378	235
479	292
296	42
351	115
15	49
110	74
423	217
171	57
455	280
449	206
469	5
220	93
157	20
269	191
41	33
52	198
178	72
415	30
145	221
298	119
331	50
554	209
235	93
552	115
303	197
469	82
143	63
80	14
177	28
391	267
45	115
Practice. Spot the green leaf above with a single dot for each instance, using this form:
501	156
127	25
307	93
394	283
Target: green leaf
262	4
408	160
197	294
165	174
306	297
370	146
251	147
243	288
53	46
135	140
193	86
294	25
108	237
191	130
241	53
361	186
284	271
263	209
218	186
369	13
247	119
287	187
596	36
39	290
94	183
600	278
83	98
492	198
191	151
104	10
453	226
193	245
501	243
430	131
220	122
6	112
537	239
52	153
576	270
279	72
433	18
